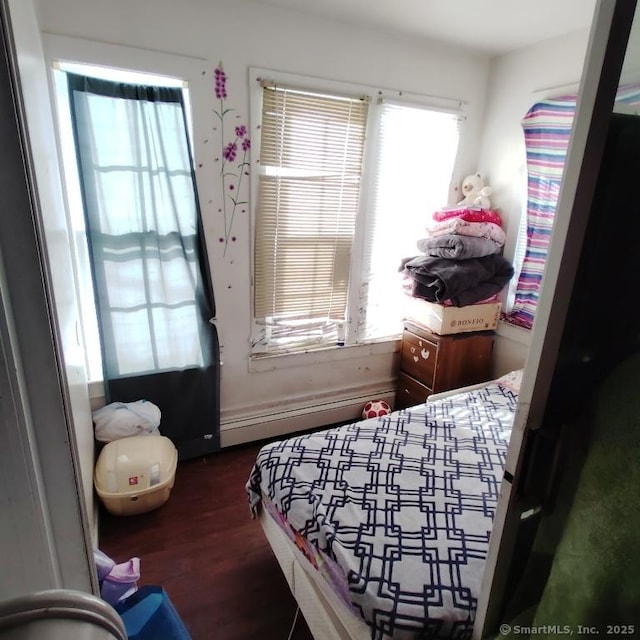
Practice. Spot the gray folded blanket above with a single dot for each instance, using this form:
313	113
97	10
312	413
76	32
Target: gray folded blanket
458	247
462	282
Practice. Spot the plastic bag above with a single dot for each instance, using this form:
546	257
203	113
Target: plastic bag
123	419
104	564
117	581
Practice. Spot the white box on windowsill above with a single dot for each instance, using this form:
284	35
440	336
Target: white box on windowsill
445	320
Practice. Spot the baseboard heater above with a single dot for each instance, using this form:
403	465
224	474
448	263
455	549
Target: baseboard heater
275	423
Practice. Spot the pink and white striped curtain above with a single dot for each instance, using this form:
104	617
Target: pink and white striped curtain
547	129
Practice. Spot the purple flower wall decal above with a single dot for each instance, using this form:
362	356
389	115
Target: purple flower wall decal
221	82
230	152
231	176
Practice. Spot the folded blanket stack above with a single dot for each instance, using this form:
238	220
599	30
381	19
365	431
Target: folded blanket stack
461	261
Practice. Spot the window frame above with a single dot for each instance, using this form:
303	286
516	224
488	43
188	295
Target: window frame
376	96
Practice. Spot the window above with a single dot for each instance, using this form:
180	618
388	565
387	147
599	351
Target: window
415	155
144	243
345	186
120	209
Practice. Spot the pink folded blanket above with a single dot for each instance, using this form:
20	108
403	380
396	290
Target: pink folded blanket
488	230
468	214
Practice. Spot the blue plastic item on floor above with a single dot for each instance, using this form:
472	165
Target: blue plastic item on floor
148	614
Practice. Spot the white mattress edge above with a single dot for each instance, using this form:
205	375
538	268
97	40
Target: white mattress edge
326	615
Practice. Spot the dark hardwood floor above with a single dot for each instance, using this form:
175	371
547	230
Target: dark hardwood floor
212	559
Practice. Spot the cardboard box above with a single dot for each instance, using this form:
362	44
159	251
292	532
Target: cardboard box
445	320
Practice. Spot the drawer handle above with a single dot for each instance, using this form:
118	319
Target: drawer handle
425	353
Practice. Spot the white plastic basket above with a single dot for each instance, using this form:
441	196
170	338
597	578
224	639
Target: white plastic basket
134	475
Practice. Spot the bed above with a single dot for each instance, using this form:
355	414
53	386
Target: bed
382	526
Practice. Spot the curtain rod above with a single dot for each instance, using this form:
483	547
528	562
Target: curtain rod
111	73
568	87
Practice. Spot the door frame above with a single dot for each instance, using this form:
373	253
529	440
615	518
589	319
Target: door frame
604	59
45	533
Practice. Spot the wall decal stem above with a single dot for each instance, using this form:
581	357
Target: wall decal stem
230	174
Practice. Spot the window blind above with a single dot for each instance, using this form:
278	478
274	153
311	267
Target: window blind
311	156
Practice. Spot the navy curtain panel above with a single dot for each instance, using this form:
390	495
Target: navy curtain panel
153	291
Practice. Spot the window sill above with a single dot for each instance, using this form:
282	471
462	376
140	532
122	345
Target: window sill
272	362
513	332
96	389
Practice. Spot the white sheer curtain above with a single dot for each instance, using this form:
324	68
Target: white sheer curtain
142	219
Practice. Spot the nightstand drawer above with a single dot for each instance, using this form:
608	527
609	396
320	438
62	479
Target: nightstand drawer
410	392
430	363
418	357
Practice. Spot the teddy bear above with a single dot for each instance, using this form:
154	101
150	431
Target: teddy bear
475	192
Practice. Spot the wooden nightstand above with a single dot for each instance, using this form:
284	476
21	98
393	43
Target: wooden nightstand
430	363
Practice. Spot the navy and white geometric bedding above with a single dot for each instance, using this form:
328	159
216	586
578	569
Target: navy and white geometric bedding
404	504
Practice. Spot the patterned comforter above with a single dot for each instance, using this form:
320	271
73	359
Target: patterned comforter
403	505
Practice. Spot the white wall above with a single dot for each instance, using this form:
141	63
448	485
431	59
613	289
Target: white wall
242	35
516	81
